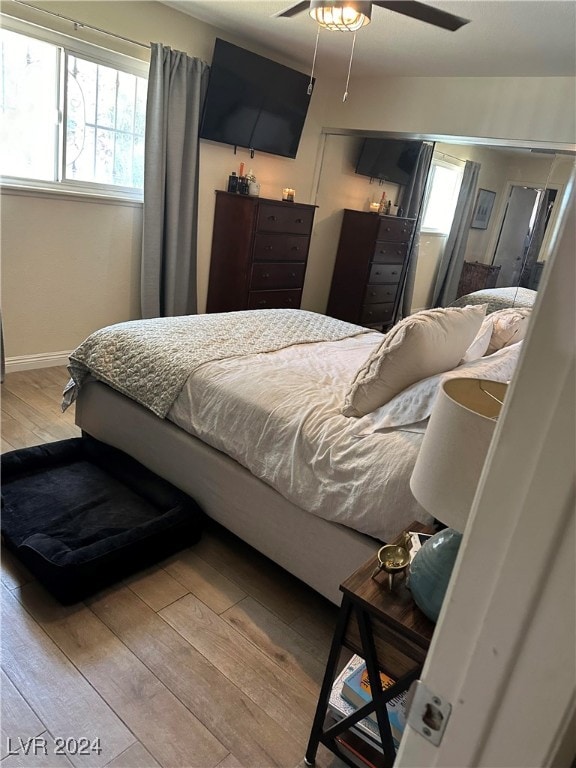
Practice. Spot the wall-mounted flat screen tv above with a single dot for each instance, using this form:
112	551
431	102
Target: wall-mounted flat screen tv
254	102
388	159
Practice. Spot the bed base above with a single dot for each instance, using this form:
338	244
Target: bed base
320	553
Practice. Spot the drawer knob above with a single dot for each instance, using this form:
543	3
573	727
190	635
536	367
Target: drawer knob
299	221
272	218
394	273
292	274
387	229
262	303
268	248
265	274
295	248
289	301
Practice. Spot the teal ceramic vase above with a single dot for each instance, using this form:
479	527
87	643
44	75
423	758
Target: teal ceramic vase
430	571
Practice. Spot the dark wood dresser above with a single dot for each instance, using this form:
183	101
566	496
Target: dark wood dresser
259	253
370	268
476	276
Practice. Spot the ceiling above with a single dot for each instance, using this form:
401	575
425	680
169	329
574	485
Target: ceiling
505	37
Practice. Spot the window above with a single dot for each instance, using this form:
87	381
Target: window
71	119
441	196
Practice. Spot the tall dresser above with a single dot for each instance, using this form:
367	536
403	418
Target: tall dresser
259	253
370	268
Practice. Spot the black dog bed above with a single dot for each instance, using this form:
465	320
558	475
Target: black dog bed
81	515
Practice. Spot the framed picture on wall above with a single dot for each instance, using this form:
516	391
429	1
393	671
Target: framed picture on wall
483	209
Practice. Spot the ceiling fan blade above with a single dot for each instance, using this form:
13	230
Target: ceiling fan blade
423	12
293	10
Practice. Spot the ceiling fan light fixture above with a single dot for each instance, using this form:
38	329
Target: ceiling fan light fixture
342	15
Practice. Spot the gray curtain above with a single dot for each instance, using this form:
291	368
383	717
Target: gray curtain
536	238
176	91
412	208
452	258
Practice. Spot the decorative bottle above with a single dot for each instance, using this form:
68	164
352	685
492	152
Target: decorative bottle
382	206
233	182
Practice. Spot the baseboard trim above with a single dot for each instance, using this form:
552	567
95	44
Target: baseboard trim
29	362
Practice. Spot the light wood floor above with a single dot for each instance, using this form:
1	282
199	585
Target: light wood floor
212	658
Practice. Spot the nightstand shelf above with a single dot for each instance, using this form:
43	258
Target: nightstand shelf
391	634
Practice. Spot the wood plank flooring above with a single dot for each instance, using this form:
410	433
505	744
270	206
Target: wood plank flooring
211	659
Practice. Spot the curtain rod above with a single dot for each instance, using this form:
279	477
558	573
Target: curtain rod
83	24
445	154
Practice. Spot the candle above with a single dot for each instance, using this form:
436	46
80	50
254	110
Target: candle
288	194
374	207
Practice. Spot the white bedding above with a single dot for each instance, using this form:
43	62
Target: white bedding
498	298
311	454
279	415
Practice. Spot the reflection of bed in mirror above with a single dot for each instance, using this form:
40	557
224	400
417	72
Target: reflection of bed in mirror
498	298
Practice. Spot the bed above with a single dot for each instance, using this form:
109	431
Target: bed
254	426
498	298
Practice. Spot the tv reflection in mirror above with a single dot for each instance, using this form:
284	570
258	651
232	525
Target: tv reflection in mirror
254	102
388	159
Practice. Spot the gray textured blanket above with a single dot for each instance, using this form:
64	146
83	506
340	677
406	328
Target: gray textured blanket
150	360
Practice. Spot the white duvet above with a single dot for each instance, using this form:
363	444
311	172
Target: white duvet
278	414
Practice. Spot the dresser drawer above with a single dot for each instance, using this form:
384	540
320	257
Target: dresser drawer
385	273
280	248
377	313
284	217
395	230
285	275
376	294
390	253
274	299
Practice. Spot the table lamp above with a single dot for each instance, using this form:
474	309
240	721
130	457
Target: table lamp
446	476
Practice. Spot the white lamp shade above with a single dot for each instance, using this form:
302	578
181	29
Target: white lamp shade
454	448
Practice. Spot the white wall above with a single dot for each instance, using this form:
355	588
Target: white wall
535	109
56	235
69	266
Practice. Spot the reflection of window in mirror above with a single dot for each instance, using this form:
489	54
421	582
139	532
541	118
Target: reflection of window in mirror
441	196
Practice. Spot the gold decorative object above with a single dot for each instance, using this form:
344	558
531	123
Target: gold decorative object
392	559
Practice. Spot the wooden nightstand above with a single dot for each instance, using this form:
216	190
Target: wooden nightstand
391	633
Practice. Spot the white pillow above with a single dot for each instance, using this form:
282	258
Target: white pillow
480	345
510	326
415	403
421	345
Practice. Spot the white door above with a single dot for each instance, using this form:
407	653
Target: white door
503	653
513	239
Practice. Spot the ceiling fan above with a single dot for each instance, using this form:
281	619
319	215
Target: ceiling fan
349	15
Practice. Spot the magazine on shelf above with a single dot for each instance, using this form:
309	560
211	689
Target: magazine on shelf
355	690
340	708
356	687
